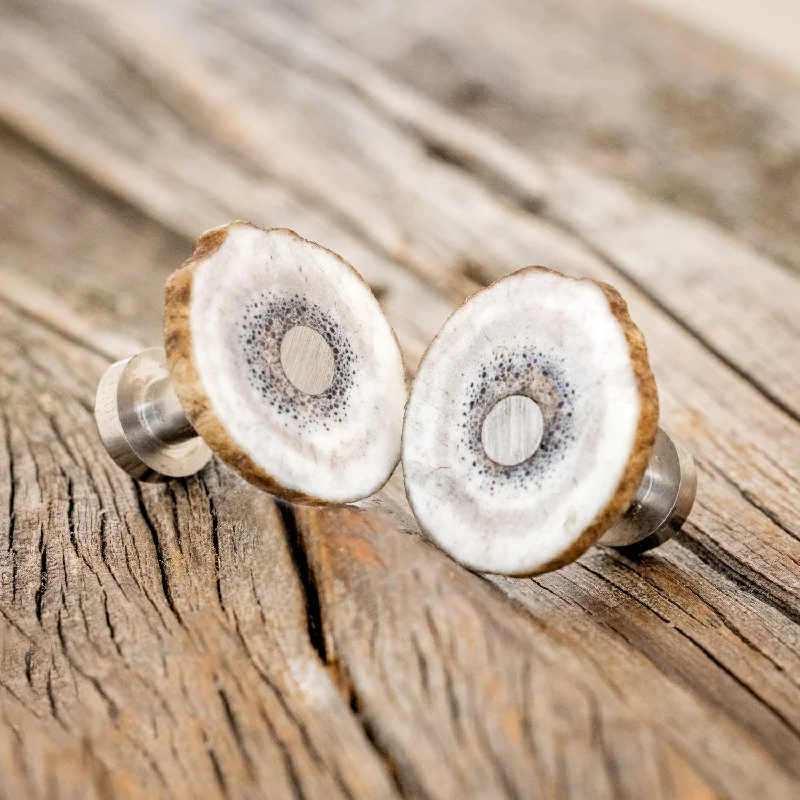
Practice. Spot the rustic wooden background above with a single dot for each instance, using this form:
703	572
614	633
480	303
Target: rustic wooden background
196	640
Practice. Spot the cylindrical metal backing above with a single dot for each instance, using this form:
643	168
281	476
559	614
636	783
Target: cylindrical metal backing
662	504
141	421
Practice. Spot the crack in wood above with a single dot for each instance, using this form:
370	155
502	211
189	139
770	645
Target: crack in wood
795	729
215	544
39	596
316	630
153	530
714	557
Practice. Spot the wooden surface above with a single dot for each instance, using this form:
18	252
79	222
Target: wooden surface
197	640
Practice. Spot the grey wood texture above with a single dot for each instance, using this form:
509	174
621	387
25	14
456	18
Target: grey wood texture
195	639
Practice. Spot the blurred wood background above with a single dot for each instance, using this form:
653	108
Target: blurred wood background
765	27
196	640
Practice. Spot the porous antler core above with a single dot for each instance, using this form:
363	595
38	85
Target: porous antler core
530	423
285	364
299	358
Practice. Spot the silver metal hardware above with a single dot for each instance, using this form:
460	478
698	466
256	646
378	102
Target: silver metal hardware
512	430
662	503
307	360
142	423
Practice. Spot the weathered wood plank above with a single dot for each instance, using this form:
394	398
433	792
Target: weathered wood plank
636	95
470	767
65	232
478	247
429	215
159	635
688	719
422	640
699	274
702	636
445	674
380	182
228	186
154	638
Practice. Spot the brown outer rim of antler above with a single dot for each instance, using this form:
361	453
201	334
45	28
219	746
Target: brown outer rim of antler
186	379
646	429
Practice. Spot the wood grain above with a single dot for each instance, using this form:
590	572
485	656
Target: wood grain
474	231
696	386
467	695
454	652
640	97
151	634
160	632
690	268
61	231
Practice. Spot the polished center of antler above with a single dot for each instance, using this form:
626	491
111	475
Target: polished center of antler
307	360
512	430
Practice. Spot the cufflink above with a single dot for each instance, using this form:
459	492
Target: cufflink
278	358
531	430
